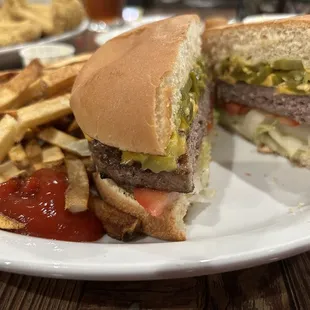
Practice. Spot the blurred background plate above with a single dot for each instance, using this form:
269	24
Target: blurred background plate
265	17
102	38
9	57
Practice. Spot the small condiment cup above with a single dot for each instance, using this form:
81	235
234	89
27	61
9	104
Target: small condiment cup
47	53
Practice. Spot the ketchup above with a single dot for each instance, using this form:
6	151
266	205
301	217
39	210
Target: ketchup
39	202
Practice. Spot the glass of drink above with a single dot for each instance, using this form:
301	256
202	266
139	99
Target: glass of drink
104	14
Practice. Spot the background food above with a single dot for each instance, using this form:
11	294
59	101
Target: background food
38	130
21	21
215	21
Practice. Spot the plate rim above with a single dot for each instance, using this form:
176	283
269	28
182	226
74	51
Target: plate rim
158	271
55	38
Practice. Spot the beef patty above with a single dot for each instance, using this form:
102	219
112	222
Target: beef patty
107	160
296	107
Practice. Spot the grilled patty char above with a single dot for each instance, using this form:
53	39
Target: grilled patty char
296	107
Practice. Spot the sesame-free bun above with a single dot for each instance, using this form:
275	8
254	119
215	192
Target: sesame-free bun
267	41
126	95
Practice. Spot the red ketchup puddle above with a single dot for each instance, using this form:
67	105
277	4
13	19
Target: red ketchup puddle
39	202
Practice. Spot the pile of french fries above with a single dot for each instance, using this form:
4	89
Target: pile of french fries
38	130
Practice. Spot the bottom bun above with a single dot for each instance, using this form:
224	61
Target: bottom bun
169	226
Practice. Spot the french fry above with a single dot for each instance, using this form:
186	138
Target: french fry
56	137
8	130
66	142
117	224
10	224
51	157
8	171
77	194
79	147
5	76
12	91
89	164
12	113
18	156
41	113
33	93
33	151
66	62
54	81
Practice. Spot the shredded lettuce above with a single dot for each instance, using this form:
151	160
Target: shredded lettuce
301	132
303	156
252	120
264	128
289	143
285	140
273	145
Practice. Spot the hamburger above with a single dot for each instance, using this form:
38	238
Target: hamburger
143	102
262	73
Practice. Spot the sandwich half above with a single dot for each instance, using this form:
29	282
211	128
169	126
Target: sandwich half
143	102
262	73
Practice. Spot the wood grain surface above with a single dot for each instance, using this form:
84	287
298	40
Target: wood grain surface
281	285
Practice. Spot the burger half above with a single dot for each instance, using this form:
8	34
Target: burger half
263	83
142	100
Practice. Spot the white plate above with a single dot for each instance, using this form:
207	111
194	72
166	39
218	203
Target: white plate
253	219
102	38
9	57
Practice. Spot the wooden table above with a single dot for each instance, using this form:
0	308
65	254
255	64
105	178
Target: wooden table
280	285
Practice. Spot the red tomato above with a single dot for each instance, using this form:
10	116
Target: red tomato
287	121
232	108
269	115
284	120
210	126
154	201
244	109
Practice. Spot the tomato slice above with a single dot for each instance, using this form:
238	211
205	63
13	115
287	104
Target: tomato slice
287	121
232	108
284	120
244	110
154	201
210	126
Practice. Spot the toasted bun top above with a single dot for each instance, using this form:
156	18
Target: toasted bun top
126	94
267	41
